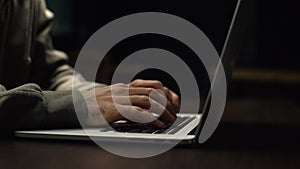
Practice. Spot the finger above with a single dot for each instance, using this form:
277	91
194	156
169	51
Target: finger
156	94
151	84
153	106
147	83
139	115
147	103
174	99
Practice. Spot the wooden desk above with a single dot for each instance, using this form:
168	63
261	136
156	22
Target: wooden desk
34	154
235	145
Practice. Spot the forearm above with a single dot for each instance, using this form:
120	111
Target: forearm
65	79
28	107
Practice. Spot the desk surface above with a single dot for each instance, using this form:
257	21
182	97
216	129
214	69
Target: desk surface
234	145
55	155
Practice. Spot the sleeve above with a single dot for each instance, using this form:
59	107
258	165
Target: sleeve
48	101
50	69
28	107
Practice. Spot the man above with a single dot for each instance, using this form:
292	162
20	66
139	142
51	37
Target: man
36	82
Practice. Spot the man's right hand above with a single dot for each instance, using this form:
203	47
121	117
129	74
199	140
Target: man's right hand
141	97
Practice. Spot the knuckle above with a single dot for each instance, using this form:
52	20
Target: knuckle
166	90
150	90
158	83
175	96
136	81
138	109
145	98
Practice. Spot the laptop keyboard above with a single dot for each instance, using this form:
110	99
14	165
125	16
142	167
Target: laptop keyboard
132	127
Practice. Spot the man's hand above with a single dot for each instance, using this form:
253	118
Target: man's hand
141	97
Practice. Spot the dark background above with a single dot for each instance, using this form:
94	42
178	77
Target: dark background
272	40
263	109
268	64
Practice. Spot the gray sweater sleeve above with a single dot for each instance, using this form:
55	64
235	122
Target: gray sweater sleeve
28	107
48	103
50	69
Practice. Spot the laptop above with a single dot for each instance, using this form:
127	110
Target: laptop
191	126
